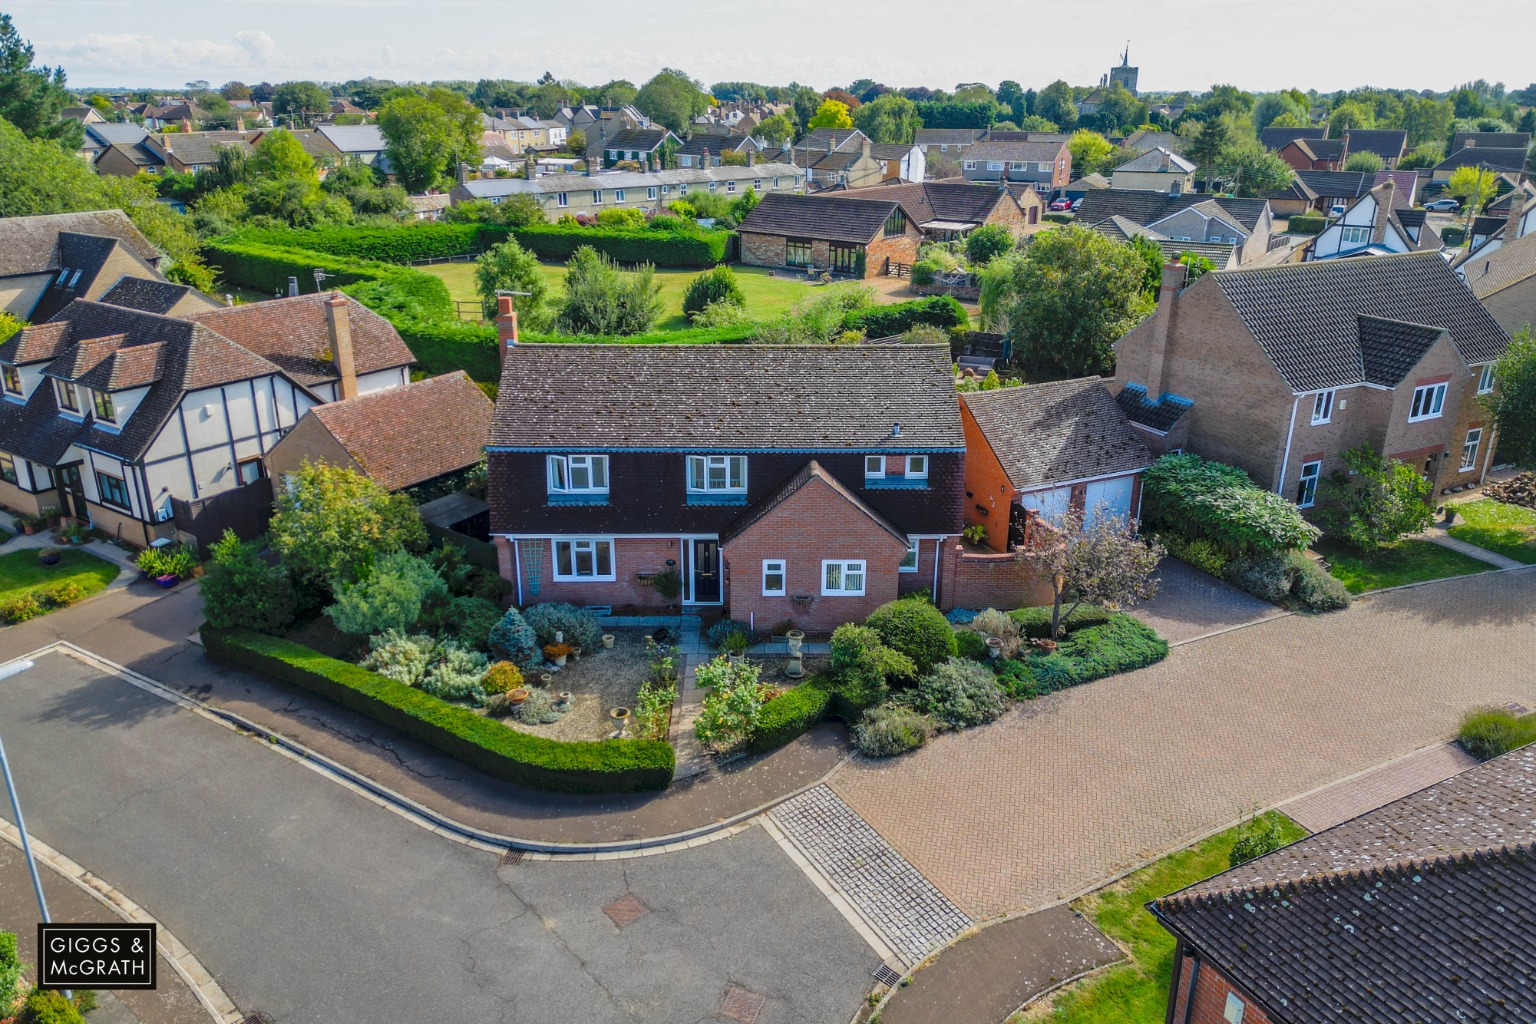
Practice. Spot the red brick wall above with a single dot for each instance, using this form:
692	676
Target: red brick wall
899	249
989	496
630	556
974	580
814	523
1210	1001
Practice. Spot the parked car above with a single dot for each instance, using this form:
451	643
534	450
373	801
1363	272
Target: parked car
1336	210
1077	204
1446	203
1059	205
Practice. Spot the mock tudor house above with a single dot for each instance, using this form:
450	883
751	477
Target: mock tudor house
802	483
1280	369
1373	225
947	210
1420	910
829	233
1041	450
108	413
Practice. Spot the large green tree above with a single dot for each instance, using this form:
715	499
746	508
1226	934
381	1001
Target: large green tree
775	130
1089	151
1077	293
279	154
1055	104
427	135
1513	401
672	99
511	268
33	99
300	101
831	114
889	119
331	522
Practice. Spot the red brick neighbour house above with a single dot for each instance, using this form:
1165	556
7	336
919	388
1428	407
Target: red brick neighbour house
1421	910
1280	369
781	483
833	233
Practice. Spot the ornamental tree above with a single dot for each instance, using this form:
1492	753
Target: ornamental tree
1474	186
1378	502
1101	562
1513	400
831	114
1089	150
332	522
389	596
510	267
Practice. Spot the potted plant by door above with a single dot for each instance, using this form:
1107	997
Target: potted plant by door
25	523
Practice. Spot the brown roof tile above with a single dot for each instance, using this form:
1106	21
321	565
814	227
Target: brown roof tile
1045	434
293	333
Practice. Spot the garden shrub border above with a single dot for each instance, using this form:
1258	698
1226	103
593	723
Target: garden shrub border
788	715
605	766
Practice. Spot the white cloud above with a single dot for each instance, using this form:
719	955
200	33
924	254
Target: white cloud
259	45
137	53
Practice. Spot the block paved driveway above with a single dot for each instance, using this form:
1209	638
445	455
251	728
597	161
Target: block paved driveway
1070	789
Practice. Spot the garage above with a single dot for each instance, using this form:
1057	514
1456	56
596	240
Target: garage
1110	497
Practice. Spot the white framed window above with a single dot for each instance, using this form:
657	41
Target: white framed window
874	467
842	578
12	378
757	184
775	575
650	192
775	182
618	195
730	186
994	165
1017	165
717	474
561	199
585	558
597	197
1306	490
711	186
1233	1011
1322	408
943	147
969	165
1484	380
1427	402
1469	448
578	474
1355	235
909	560
682	189
917	467
69	399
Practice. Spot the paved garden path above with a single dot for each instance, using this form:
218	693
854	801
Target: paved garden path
1069	790
1437	534
1352	797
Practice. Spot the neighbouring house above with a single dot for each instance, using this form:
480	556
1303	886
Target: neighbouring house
152	295
1156	170
364	143
1275	139
1388	143
1223	255
1281	369
1510	216
178	113
421	437
703	150
1046	166
647	147
47	262
191	152
1490	140
1144	140
1296	198
1039	451
100	136
1500	159
1246	225
1501	269
575	194
1306	154
824	482
828	233
1420	910
429	206
839	156
1336	188
945	211
902	161
1373	225
953	141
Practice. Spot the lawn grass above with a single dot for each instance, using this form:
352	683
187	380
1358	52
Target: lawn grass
21	572
767	296
1508	529
1407	561
1136	992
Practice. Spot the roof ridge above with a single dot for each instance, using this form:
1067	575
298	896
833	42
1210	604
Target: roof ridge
1405	323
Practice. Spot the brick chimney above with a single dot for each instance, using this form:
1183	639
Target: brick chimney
186	126
339	328
1162	323
751	156
705	158
240	123
506	324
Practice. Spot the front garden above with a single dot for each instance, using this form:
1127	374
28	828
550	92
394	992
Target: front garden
1508	529
1396	565
34	582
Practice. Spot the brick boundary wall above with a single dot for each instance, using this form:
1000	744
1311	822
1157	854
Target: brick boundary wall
975	579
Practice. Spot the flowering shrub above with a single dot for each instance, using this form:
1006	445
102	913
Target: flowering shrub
736	697
401	657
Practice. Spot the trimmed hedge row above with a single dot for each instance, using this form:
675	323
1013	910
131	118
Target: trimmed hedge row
625	245
942	311
266	268
1306	224
403	244
1453	234
607	766
788	715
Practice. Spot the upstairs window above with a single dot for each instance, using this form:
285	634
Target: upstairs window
1484	381
730	186
650	193
12	378
1322	408
874	467
561	199
1427	402
103	406
597	197
717	474
618	195
578	474
917	467
69	399
1355	235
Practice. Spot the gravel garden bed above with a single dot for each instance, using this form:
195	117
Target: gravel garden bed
599	682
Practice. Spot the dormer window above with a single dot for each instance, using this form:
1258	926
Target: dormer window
69	398
578	477
103	406
717	474
917	467
12	377
874	467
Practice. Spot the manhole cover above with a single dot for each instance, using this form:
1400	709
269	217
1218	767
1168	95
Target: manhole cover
741	1004
626	910
1516	707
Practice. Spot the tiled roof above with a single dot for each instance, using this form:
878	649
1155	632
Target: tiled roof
1421	910
546	184
1509	264
37	344
1035	152
30	244
839	138
1145	206
832	217
146	295
1046	434
1499	159
354	138
1490	140
132	367
1390	348
1160	415
199	147
83	356
294	334
139	154
87	254
1322	149
1338	184
1305	315
109	134
716	144
1158	159
927	201
642	139
948	136
812	470
406	435
1387	143
727	397
1278	138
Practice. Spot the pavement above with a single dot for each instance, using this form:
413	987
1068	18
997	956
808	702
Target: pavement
1191	604
149	630
1352	797
1071	789
312	904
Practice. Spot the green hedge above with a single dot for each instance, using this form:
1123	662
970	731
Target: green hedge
1188	495
1089	652
1453	234
788	715
883	321
404	244
1306	224
607	766
626	245
1056	218
266	268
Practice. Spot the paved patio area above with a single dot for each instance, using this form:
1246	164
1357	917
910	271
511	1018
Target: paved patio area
1074	788
1191	603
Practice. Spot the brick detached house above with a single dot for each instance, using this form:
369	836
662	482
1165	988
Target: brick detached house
945	210
807	484
1041	450
1421	910
846	236
1280	369
1229	231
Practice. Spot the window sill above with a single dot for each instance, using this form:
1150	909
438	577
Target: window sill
896	484
717	499
578	499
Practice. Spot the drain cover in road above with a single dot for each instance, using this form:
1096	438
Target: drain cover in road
626	910
741	1004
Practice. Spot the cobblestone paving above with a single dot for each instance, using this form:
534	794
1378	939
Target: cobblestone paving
1068	790
909	911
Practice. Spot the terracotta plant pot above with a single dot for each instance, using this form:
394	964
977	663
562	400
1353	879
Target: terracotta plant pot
608	641
517	695
1046	645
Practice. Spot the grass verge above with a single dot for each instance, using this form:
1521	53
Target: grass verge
1407	561
21	573
1509	530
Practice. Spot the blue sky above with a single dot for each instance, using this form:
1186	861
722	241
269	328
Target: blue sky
1251	43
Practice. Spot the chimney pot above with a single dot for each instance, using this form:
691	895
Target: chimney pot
339	327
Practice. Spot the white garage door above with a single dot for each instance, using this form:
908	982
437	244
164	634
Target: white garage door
1109	497
1051	505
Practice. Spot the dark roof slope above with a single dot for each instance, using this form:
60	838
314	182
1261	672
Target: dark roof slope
293	333
728	397
1278	138
406	435
1338	184
1143	206
1305	315
1387	143
1500	159
1045	434
1490	140
30	244
958	202
812	470
833	217
644	139
146	295
1390	348
1160	415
